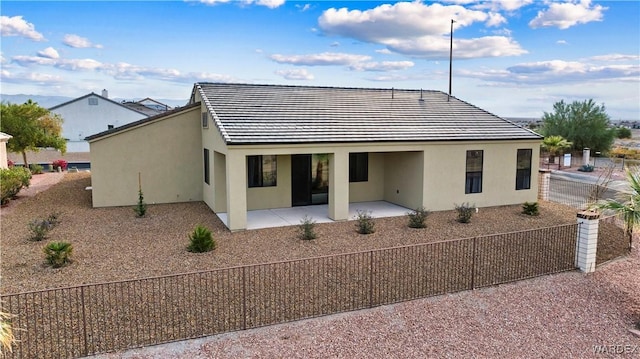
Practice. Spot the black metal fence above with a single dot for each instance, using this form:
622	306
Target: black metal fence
579	195
98	318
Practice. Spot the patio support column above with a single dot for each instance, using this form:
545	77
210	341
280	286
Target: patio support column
543	184
236	191
339	185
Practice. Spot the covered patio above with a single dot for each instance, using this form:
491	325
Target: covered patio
282	217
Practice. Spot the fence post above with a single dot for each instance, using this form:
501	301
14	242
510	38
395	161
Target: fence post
587	241
543	184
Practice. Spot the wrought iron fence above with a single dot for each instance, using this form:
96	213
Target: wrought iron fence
579	195
98	318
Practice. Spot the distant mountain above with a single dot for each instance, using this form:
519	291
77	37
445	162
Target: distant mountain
50	101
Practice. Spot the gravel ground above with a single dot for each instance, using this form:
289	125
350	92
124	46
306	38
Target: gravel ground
558	316
562	315
112	244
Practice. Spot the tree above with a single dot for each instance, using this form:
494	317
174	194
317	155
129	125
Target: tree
623	132
627	205
584	123
32	127
554	145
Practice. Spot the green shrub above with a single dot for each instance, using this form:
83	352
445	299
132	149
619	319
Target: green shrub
58	254
201	240
40	227
417	218
365	223
36	169
141	206
464	212
530	208
585	168
12	180
306	228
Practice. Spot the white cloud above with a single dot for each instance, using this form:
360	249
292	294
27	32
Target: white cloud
616	57
416	29
382	66
558	72
498	5
79	42
304	7
272	4
49	53
17	26
568	14
295	74
562	42
322	59
34	77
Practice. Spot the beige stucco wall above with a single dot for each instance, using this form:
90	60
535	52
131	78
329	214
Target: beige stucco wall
403	178
444	174
373	189
278	196
166	152
4	138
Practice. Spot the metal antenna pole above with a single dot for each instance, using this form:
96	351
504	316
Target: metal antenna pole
450	58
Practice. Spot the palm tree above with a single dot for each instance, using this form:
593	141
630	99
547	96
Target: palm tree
627	205
554	145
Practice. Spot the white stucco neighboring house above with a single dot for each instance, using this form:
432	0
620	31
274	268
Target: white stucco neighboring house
4	138
243	147
90	114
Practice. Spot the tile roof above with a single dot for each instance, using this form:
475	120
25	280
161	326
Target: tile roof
278	114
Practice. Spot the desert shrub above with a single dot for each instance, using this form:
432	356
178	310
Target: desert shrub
585	168
417	218
62	164
464	212
7	337
12	180
201	240
58	254
530	208
306	228
141	206
364	222
40	227
36	169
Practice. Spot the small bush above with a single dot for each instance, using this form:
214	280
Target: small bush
141	207
36	169
40	227
365	223
417	218
10	163
201	240
585	168
530	208
12	180
58	254
465	212
306	228
7	337
62	164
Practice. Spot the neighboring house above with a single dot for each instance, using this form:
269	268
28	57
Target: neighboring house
4	138
240	147
94	113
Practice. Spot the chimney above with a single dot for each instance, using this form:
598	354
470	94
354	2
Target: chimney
105	93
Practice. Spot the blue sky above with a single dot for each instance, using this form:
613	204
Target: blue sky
514	58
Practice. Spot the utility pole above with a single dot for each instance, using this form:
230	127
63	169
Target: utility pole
450	58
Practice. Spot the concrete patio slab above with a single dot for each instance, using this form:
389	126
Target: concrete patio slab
282	217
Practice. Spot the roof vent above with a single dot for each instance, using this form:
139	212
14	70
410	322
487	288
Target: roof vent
421	98
392	91
105	93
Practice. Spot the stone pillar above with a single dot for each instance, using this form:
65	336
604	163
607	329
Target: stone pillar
585	156
544	178
587	241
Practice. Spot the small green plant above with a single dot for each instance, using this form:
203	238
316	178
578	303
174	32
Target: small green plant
365	223
464	212
417	218
40	227
201	240
58	254
36	169
530	208
141	206
306	228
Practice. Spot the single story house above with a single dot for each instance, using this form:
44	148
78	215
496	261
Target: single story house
4	138
242	147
